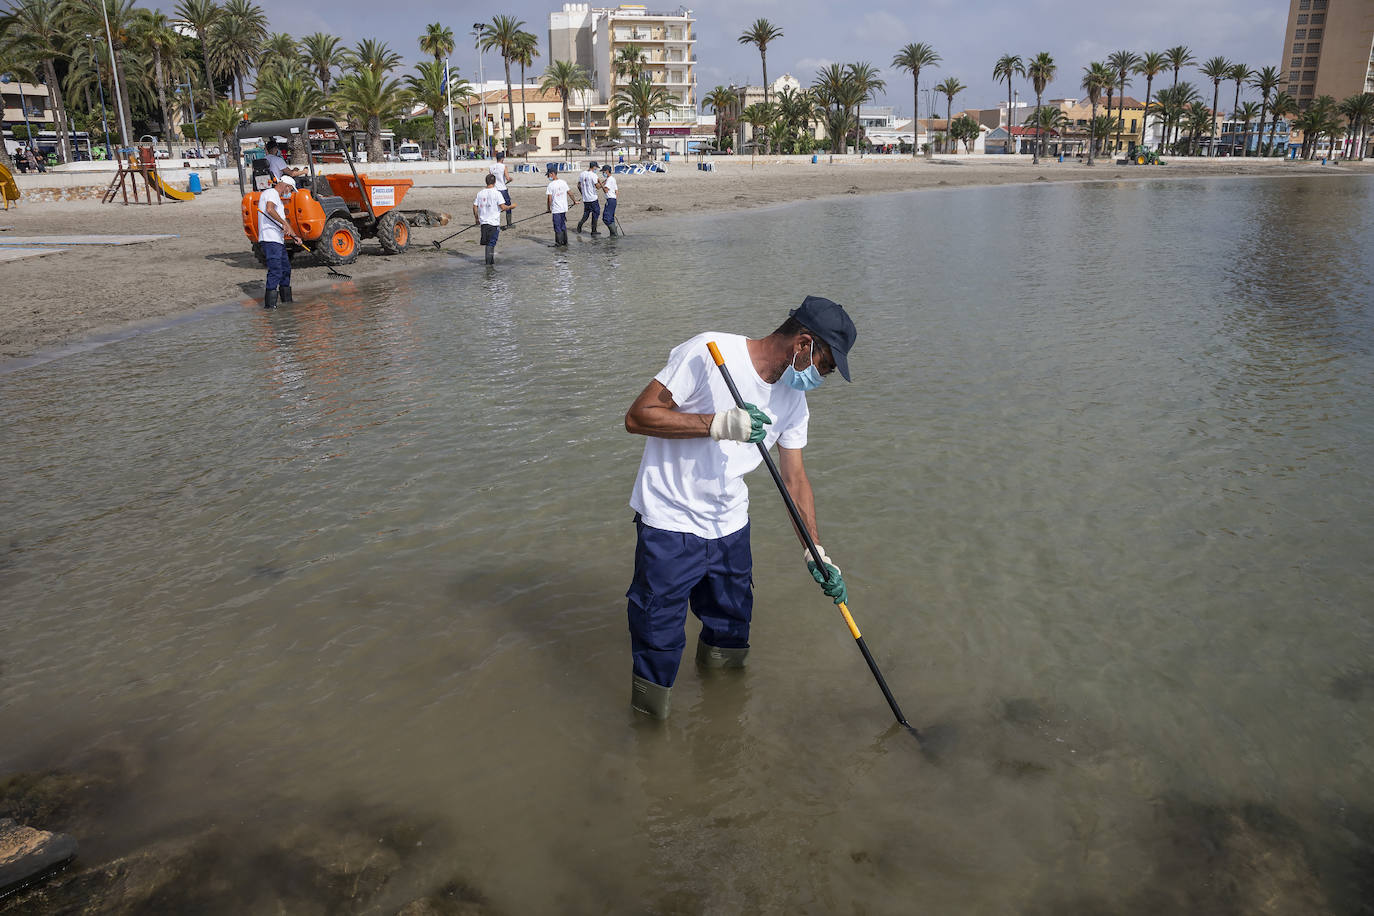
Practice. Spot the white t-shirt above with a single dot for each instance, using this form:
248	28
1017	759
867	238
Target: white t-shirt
586	183
499	170
268	230
489	202
696	486
608	183
275	164
558	190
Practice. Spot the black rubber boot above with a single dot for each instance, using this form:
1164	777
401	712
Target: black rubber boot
285	292
269	299
491	254
562	239
594	232
580	223
650	698
610	227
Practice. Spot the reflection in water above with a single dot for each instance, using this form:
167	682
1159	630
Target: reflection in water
1100	486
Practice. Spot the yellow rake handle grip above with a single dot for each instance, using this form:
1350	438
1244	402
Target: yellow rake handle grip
849	621
715	352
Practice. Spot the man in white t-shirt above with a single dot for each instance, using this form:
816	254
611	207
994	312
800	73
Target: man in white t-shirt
277	166
591	207
557	198
273	231
486	212
612	189
502	177
691	504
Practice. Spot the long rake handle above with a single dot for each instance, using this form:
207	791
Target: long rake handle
810	542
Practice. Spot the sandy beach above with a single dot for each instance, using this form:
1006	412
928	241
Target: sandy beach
60	299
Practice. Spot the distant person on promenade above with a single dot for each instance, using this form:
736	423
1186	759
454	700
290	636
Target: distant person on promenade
502	176
557	201
486	210
277	165
612	189
273	231
691	504
591	208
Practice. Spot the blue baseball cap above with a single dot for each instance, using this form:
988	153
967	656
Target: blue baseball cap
828	321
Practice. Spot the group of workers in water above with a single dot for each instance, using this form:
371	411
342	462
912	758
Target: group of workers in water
495	199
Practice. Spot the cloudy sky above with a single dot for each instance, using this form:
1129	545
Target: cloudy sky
969	36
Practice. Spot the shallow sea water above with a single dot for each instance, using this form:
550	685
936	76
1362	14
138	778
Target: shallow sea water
1100	489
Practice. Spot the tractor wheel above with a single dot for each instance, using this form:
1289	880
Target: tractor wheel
338	243
393	232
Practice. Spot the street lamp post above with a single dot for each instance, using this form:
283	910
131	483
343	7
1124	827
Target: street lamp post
114	78
477	29
100	82
191	97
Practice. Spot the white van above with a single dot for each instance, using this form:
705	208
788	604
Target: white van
409	152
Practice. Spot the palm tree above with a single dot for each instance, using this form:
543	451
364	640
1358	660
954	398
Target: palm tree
1358	111
1096	77
1122	62
321	54
526	50
629	61
829	88
720	100
221	120
1008	66
157	37
1282	106
640	99
503	35
1266	81
428	87
758	116
1149	66
949	88
201	15
1215	69
1240	73
279	55
437	41
90	16
238	33
565	77
375	56
760	34
1049	119
1246	113
912	58
864	84
371	98
281	95
1179	57
1197	118
794	110
1101	127
40	30
1041	71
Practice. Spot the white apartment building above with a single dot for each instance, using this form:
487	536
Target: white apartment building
593	37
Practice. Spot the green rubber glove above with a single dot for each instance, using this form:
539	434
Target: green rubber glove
740	424
835	587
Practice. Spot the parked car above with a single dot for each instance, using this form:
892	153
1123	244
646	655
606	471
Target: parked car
409	152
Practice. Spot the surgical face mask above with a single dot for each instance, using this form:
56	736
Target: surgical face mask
805	380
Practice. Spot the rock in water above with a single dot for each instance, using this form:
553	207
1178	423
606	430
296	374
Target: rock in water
28	855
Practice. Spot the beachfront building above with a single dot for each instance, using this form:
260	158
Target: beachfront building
594	38
1232	136
1329	48
1079	114
541	110
752	95
25	106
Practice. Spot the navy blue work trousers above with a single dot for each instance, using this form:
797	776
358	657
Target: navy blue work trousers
560	222
608	216
591	207
278	264
675	571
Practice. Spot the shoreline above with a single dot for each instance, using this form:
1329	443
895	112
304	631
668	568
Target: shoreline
90	296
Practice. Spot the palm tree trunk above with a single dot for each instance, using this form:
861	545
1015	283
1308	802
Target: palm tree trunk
1039	133
59	112
763	58
125	101
524	113
1092	140
510	106
1216	93
1120	114
564	94
209	79
374	138
162	98
1145	116
916	109
1259	140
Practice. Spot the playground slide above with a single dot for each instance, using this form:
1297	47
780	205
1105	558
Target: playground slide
163	187
8	189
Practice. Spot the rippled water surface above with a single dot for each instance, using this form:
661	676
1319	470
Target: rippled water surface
1101	489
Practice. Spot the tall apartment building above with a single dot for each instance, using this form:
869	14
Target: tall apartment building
1329	49
592	38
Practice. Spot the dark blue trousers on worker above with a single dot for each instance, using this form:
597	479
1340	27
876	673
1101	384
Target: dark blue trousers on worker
675	571
591	209
608	216
490	234
278	264
560	222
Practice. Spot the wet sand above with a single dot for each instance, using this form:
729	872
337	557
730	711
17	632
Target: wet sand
58	300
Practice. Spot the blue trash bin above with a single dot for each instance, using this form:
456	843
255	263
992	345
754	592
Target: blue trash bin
815	158
193	183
